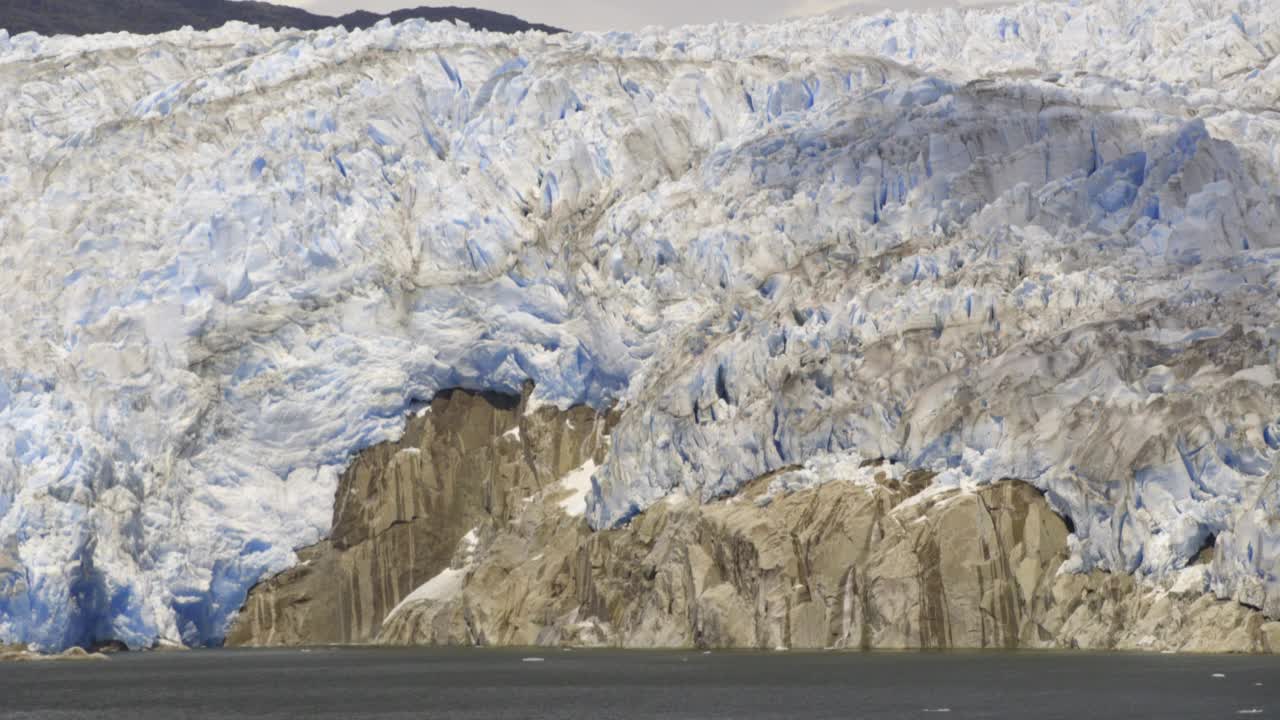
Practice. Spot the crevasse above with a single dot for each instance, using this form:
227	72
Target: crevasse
1034	242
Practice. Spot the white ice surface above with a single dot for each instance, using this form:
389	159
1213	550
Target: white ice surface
1036	242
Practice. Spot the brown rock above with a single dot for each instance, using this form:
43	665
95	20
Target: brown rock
839	565
887	563
402	507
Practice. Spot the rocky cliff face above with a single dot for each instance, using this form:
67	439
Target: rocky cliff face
466	461
850	563
470	530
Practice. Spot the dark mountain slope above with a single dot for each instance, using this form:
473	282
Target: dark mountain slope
76	17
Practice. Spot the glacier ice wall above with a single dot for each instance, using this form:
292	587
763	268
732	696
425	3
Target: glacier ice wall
1035	242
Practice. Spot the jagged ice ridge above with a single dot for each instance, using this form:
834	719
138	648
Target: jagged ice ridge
1036	242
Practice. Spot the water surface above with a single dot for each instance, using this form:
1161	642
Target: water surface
494	684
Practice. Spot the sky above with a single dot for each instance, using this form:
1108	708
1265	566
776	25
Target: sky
635	14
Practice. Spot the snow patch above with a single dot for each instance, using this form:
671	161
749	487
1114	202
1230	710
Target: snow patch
448	583
578	484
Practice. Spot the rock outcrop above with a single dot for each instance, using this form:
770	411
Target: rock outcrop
401	508
470	530
845	564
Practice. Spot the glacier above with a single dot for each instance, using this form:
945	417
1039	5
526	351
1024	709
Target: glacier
1037	242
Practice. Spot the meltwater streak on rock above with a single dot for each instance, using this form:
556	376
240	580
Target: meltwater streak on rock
959	241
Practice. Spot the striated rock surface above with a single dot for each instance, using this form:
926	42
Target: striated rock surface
873	560
401	507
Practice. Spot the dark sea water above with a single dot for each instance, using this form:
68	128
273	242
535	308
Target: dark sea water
485	684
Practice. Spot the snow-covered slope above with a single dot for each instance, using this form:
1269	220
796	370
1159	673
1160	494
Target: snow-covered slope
1035	242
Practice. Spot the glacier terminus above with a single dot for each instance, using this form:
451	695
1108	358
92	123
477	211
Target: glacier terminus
1038	242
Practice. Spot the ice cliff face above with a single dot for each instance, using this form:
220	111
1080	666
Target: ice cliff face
1037	242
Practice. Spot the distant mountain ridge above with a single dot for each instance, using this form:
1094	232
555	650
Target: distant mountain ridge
70	17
